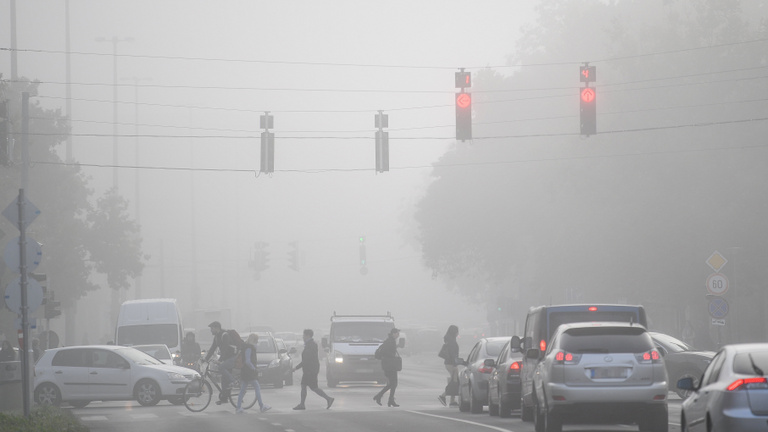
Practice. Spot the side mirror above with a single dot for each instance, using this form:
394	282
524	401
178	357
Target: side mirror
686	384
401	343
514	343
532	353
489	363
324	342
282	351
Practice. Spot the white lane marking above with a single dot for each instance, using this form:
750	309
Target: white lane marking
462	421
93	418
276	424
190	413
143	416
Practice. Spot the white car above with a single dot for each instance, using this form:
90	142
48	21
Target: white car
80	374
158	351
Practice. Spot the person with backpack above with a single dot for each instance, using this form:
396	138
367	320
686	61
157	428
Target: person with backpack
450	353
249	374
310	363
391	363
228	342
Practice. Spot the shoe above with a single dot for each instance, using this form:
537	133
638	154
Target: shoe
299	407
219	402
377	399
330	402
239	411
454	403
266	408
392	403
441	398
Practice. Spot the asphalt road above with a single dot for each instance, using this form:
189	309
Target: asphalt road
354	410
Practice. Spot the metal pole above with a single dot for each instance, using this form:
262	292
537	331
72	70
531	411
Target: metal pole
69	81
24	139
14	67
114	111
25	381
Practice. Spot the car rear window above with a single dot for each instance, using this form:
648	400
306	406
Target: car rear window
566	317
742	363
606	340
493	348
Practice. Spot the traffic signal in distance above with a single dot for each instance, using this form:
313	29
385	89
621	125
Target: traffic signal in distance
588	116
260	261
382	151
294	257
267	152
463	79
463	116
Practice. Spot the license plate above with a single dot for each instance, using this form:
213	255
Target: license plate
609	373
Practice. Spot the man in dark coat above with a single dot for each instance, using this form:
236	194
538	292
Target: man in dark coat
227	357
391	364
310	363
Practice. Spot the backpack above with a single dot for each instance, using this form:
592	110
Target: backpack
377	354
235	339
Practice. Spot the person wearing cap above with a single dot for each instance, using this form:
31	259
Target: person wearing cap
391	363
227	357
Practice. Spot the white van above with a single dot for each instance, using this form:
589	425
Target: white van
150	321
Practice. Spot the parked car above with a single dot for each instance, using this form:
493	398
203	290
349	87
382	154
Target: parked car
474	373
733	395
505	385
80	374
681	360
273	362
158	351
600	372
292	340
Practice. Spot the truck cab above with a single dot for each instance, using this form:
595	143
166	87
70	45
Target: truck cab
351	345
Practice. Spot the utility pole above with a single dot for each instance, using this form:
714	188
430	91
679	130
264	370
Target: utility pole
14	67
115	40
69	82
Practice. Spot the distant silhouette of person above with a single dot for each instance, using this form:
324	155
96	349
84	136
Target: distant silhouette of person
190	349
310	364
36	352
7	353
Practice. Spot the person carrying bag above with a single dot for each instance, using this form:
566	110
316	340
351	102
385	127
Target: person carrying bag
391	363
450	355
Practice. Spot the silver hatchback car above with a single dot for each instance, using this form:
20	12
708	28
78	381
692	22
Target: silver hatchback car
733	394
600	372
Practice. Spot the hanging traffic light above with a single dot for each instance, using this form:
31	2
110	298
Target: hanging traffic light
267	122
463	116
588	102
260	259
382	142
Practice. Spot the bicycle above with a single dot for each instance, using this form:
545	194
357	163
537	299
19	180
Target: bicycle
199	392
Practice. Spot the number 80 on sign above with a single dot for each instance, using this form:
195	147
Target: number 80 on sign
717	284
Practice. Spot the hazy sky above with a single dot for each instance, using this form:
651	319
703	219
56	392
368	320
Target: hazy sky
206	71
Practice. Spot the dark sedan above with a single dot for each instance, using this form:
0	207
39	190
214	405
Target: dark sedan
505	386
474	374
681	360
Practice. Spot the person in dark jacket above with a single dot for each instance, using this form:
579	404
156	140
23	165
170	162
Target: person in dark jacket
190	349
221	340
7	353
391	363
451	355
310	363
249	374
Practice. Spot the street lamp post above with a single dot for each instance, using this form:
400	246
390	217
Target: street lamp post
115	40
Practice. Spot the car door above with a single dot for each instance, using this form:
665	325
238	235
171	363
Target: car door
498	376
465	372
70	371
696	412
110	375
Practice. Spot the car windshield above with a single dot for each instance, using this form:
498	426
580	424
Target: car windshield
360	332
157	351
166	334
494	347
139	357
606	340
671	344
745	363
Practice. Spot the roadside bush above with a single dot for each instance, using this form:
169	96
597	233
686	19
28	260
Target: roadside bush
42	419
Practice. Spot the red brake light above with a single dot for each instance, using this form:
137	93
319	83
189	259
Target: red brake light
560	356
568	357
593	308
651	356
543	345
747	381
515	366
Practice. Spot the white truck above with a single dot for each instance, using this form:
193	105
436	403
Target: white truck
150	321
351	344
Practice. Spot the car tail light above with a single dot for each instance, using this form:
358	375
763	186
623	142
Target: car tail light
593	309
651	356
515	367
563	357
542	345
749	383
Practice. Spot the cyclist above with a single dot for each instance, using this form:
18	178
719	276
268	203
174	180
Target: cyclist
226	344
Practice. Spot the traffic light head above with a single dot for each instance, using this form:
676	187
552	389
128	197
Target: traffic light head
588	112
463	116
463	80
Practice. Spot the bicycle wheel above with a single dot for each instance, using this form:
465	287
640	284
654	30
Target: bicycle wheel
249	398
197	395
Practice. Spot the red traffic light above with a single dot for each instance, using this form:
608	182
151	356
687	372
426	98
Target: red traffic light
587	94
463	100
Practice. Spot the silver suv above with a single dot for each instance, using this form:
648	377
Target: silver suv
600	372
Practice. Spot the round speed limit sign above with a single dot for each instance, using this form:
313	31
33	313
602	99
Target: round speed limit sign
717	284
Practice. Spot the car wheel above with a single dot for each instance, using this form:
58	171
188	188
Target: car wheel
147	393
475	405
683	423
526	412
538	415
48	394
689	374
331	382
552	422
505	408
463	405
79	404
493	409
278	382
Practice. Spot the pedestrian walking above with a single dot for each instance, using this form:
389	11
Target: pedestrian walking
248	373
391	363
450	354
310	364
